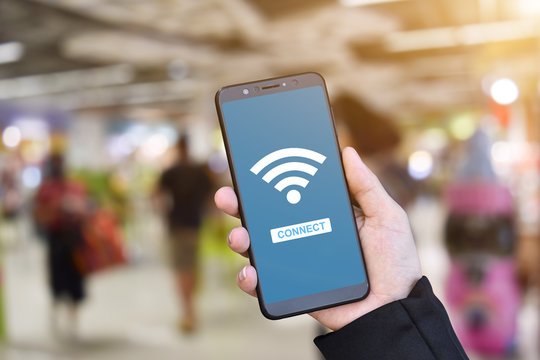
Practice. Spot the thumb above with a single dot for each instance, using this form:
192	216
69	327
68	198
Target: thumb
364	185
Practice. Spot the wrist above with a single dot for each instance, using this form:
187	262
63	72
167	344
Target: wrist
336	318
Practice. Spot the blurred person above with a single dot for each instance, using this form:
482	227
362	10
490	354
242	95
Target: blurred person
59	210
482	288
11	202
395	177
400	318
10	194
378	139
183	189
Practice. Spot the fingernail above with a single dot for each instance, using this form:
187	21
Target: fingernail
355	153
243	274
229	238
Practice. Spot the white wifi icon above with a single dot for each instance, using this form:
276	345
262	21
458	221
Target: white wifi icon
293	196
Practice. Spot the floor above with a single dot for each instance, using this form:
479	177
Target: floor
131	313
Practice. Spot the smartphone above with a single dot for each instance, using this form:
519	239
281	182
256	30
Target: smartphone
286	167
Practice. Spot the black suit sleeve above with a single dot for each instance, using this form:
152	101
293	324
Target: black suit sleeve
413	328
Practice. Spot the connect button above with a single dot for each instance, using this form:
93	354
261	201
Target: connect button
310	228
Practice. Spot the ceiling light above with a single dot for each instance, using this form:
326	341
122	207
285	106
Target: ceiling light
473	34
65	81
528	8
420	39
11	52
177	69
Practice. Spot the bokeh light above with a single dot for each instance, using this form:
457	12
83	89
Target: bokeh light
504	91
501	152
11	137
218	163
31	177
120	146
33	128
155	146
420	164
462	126
434	139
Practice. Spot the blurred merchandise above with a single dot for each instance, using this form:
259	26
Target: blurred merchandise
106	190
482	289
102	246
484	299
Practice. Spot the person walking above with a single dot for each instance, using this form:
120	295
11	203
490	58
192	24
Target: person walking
59	211
183	189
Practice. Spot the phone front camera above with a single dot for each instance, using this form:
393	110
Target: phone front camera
245	91
295	82
256	88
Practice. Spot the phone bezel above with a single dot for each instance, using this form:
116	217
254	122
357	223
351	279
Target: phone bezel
309	303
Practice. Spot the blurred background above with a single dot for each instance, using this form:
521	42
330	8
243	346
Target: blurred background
441	97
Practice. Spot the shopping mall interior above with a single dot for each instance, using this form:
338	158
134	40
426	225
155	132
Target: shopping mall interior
441	98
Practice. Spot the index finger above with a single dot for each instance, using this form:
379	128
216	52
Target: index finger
364	185
226	200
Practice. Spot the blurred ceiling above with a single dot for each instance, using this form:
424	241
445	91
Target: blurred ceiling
402	58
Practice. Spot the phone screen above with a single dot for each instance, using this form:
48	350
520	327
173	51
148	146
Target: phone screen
294	197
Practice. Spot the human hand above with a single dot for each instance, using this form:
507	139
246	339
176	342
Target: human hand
390	253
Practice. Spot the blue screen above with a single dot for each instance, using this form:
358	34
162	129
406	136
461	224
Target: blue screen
293	193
